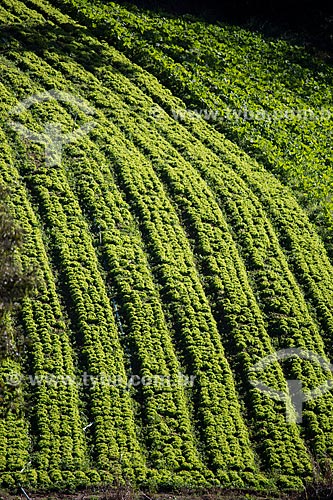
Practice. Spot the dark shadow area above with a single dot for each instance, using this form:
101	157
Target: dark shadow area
306	22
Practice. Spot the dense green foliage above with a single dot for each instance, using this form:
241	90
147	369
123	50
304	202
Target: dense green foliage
270	97
13	283
160	248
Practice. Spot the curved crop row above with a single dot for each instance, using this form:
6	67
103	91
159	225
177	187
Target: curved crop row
140	319
213	69
35	177
57	425
110	407
112	81
230	411
161	248
307	260
166	420
14	428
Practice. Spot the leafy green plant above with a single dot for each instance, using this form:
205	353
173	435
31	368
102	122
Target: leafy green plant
161	248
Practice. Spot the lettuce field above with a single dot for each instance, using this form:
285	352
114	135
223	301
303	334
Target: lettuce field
173	181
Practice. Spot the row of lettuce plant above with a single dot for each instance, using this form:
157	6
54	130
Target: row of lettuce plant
230	410
118	106
132	131
228	70
72	249
297	244
55	423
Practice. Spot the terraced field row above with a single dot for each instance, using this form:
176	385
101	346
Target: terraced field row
163	251
270	97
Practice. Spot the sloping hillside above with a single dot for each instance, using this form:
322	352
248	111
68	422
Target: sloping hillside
168	263
271	97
